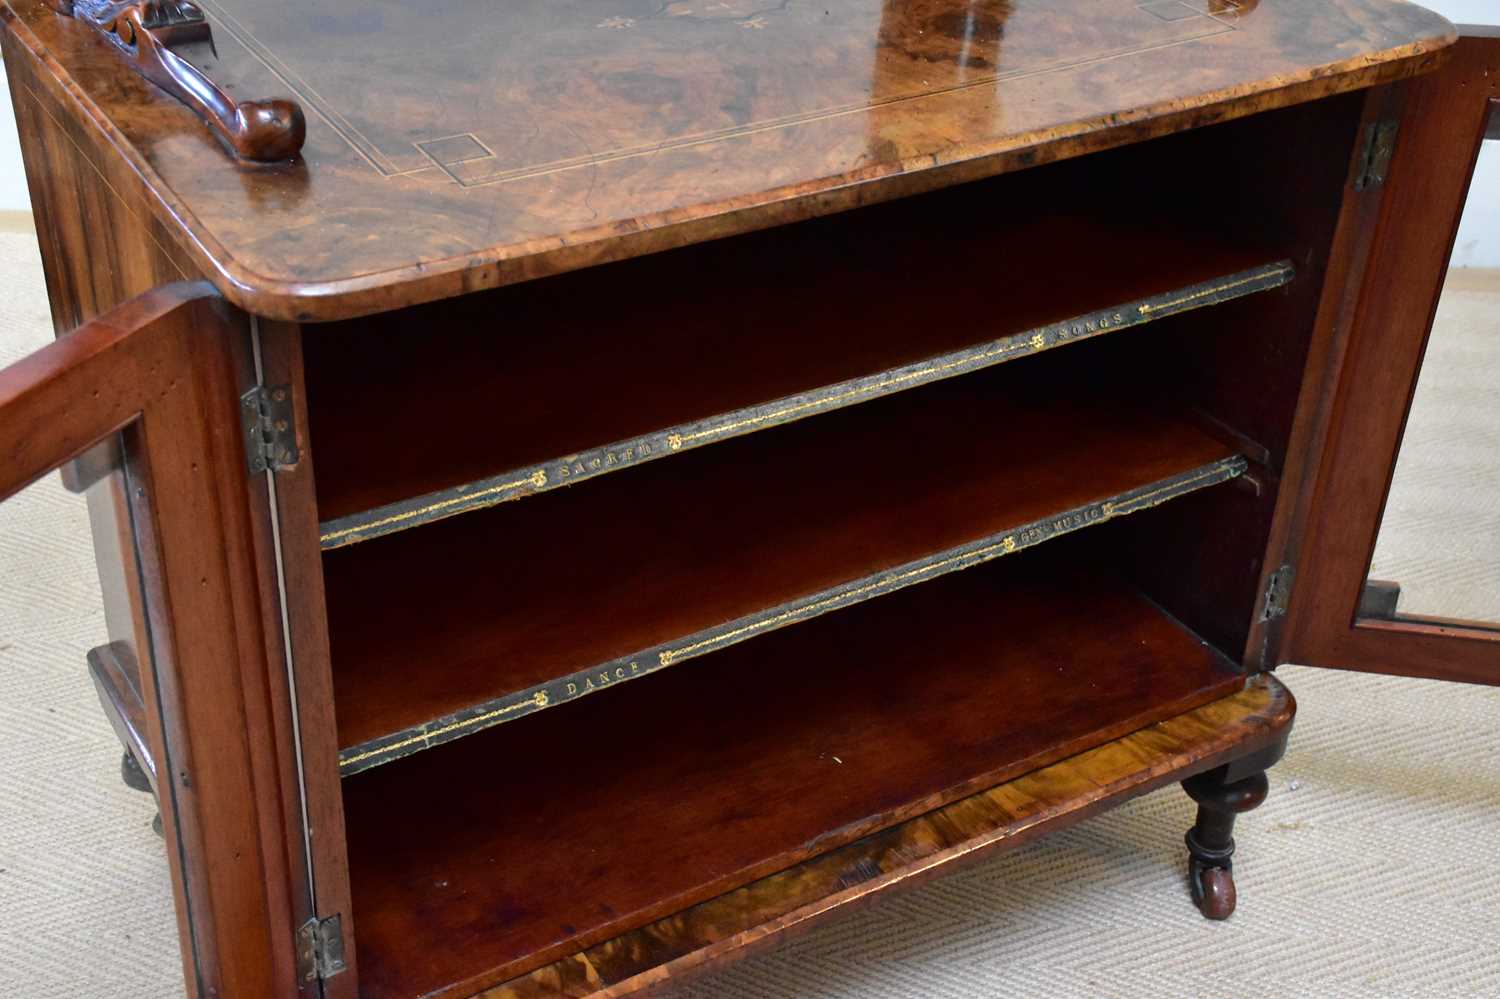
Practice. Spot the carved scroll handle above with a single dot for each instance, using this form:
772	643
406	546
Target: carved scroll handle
263	131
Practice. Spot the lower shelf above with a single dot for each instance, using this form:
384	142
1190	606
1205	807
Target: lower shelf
759	914
493	856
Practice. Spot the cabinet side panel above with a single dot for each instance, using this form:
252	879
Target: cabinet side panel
98	249
101	246
96	254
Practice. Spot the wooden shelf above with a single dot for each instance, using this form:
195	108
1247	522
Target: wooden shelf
437	634
484	859
1255	720
756	332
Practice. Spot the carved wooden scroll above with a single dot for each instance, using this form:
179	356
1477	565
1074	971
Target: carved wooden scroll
144	30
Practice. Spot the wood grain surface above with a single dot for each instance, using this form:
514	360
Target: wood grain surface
482	859
541	137
164	368
767	912
208	605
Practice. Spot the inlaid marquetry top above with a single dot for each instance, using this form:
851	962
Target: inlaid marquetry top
459	144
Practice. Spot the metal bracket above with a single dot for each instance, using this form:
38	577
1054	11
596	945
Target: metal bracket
320	948
270	436
1278	593
1379	599
1375	154
93	465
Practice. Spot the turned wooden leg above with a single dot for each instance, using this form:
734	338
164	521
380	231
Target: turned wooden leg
1210	842
135	778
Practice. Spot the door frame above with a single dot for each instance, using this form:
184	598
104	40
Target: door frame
165	371
1442	126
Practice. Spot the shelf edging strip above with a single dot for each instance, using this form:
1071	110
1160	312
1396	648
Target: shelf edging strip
569	469
508	707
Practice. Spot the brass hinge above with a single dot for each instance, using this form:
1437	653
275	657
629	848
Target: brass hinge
1278	593
270	433
1375	154
320	948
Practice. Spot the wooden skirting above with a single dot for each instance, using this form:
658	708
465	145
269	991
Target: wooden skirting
1473	279
16	222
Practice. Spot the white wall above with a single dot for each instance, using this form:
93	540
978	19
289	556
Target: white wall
1478	242
1478	236
1465	11
12	179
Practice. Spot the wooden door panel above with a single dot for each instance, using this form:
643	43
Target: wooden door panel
1444	121
164	371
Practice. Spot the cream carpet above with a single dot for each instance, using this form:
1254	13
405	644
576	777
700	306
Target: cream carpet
1448	475
1371	871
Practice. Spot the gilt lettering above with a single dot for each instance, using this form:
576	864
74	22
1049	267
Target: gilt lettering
586	464
601	679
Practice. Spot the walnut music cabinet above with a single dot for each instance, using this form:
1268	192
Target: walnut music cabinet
585	489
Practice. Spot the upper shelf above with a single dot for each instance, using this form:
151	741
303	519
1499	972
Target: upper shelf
750	333
536	137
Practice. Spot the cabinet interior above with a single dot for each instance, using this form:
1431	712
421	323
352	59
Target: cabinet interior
849	616
538	837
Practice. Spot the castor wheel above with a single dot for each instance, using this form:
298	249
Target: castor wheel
132	774
1210	842
1213	890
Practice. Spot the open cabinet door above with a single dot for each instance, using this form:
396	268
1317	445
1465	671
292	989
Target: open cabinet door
1336	615
159	379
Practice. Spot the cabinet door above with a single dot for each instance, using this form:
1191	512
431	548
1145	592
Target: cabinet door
1442	519
161	374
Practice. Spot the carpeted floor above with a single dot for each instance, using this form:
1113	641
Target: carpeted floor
1441	535
1370	871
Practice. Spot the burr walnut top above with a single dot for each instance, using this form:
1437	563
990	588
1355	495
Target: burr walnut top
457	144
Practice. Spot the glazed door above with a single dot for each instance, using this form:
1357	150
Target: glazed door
158	382
1439	525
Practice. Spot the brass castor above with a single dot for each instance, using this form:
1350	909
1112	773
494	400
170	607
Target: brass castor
132	774
1210	842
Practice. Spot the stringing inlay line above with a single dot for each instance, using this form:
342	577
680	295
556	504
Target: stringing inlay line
382	163
823	114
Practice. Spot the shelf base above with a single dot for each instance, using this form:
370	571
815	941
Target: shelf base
485	859
1254	722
